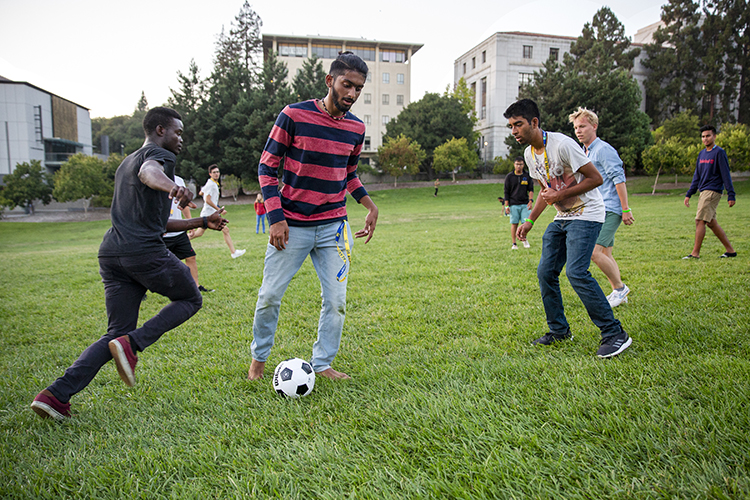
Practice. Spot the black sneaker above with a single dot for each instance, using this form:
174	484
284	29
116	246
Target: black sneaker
726	255
203	289
614	345
550	338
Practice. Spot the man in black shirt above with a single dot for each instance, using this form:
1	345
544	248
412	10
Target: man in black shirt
519	198
133	259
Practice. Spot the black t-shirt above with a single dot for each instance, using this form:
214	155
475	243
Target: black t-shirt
139	213
518	187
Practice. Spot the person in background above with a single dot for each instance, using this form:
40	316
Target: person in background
518	198
260	213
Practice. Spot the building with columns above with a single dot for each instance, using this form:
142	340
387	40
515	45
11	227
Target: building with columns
387	89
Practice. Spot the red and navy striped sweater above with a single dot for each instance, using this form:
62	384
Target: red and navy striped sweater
320	165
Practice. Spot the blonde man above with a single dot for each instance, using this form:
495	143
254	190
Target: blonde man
615	195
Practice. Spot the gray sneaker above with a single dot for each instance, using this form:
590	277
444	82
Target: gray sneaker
614	345
550	338
617	297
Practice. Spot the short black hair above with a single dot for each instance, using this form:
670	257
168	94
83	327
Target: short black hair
211	167
525	108
518	158
159	116
705	128
348	61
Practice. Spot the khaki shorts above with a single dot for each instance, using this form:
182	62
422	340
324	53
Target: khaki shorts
707	204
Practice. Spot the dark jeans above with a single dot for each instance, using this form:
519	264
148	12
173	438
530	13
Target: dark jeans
126	280
570	244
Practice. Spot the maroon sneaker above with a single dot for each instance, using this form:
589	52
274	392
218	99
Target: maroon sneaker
124	358
48	406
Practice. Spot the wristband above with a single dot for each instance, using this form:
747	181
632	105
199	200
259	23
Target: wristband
627	210
529	220
205	222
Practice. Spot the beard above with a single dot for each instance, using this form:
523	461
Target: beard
340	105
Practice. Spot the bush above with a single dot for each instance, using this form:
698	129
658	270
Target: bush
502	165
250	186
230	186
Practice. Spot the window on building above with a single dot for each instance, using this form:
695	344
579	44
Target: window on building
484	56
386	99
523	79
397	56
369	77
366	53
368	98
386	78
400	78
326	50
399	100
528	52
386	119
464	68
367	119
293	49
554	53
483	90
473	63
367	143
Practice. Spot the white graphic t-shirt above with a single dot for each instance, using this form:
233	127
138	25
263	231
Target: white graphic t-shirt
211	189
565	158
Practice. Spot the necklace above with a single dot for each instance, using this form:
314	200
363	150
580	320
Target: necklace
323	102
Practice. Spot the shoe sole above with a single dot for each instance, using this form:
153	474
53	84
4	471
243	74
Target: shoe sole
623	301
46	411
121	361
618	351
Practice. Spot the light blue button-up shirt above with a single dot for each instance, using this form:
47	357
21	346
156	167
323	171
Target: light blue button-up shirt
608	163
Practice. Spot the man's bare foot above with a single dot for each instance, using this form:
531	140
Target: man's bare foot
333	374
256	370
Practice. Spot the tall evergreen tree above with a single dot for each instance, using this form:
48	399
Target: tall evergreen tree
310	82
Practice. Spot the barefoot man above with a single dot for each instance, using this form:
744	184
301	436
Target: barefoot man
321	141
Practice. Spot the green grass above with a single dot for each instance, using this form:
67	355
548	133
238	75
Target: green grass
448	398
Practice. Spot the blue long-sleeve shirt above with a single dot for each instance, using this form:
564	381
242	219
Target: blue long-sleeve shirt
608	163
712	173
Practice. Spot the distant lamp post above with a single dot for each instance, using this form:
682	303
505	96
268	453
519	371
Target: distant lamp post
485	153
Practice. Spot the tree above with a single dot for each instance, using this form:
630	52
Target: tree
453	156
186	100
700	61
735	140
400	155
466	97
28	182
310	82
81	177
595	75
684	127
142	103
669	157
431	121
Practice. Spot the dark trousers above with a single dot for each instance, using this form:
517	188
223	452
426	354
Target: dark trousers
126	280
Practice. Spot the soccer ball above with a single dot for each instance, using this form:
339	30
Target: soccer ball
293	378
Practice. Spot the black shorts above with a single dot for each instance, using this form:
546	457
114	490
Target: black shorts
180	246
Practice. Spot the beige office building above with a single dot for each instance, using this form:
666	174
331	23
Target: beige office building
388	85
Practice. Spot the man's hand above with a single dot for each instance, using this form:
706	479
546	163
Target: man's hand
551	196
370	222
182	195
523	230
731	203
687	202
507	209
216	221
627	218
278	235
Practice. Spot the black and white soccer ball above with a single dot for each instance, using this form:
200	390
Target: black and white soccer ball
293	378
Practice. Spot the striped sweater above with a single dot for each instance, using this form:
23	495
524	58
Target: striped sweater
320	165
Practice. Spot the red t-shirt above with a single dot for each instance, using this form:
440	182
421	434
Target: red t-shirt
260	208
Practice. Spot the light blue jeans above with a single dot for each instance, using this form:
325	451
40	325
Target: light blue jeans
319	242
260	219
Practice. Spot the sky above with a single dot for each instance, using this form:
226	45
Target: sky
102	54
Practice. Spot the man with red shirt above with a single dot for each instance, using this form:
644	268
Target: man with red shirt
320	141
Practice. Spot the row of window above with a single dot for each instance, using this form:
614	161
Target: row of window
385	99
367	119
399	78
528	53
331	51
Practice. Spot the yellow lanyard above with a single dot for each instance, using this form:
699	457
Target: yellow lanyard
546	160
344	271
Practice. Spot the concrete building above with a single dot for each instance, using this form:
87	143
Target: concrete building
388	86
39	125
497	67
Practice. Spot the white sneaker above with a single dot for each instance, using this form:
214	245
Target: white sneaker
526	244
514	247
617	297
238	253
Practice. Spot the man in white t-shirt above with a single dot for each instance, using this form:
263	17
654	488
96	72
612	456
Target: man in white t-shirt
210	193
569	181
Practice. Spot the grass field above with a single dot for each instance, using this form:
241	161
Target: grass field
448	398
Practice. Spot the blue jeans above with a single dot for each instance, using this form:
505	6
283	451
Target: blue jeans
570	244
126	280
319	242
260	219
